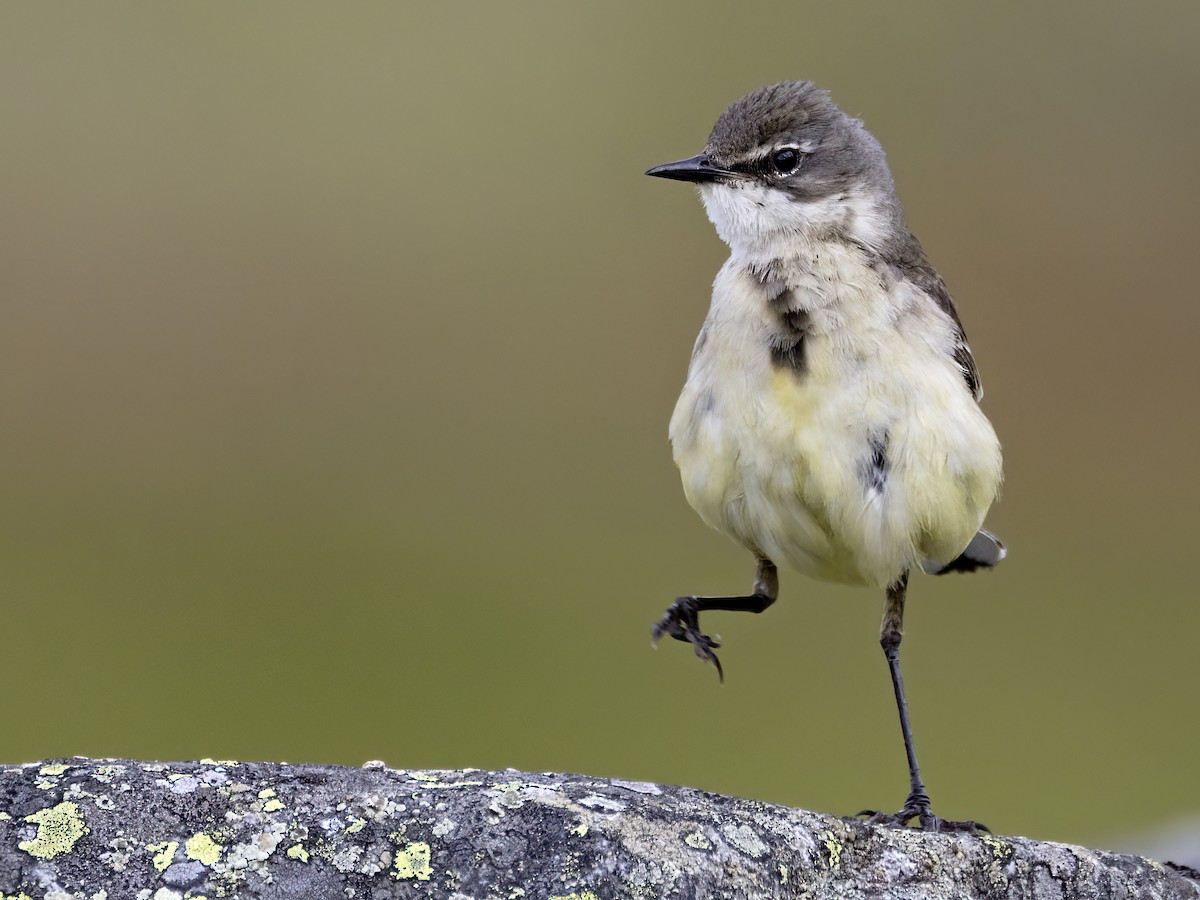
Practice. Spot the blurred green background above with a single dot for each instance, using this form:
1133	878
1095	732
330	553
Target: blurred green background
337	349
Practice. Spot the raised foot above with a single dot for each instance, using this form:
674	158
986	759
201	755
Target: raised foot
927	821
682	622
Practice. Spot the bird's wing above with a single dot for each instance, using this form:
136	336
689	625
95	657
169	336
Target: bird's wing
966	362
931	283
909	257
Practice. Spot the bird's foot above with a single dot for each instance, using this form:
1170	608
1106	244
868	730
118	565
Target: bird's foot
682	622
919	809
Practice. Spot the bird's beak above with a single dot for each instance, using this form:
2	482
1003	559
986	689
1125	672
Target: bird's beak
694	168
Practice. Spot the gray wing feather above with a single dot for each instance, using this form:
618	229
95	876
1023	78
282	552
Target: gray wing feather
984	552
906	258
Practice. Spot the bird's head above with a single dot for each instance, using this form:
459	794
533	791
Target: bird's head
783	164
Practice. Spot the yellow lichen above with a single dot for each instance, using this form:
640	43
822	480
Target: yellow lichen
508	787
698	841
413	862
581	829
297	851
834	846
585	895
58	829
20	896
53	769
356	826
203	848
999	848
164	853
783	874
273	803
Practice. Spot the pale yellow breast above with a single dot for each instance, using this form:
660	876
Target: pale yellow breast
774	457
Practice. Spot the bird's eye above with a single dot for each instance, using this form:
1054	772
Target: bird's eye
785	161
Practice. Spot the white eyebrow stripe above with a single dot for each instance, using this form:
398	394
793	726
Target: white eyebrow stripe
806	147
760	158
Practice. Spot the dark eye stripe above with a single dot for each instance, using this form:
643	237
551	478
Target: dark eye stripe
783	162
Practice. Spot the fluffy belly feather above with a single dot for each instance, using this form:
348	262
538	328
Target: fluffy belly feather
842	472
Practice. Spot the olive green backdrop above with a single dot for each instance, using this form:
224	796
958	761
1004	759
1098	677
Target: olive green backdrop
338	343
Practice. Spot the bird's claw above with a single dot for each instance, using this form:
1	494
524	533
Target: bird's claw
682	622
924	815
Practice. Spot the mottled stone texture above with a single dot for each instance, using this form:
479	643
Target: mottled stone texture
102	829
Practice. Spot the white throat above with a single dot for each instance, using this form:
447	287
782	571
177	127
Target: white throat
761	223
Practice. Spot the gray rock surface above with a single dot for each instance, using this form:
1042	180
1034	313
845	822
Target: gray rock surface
109	829
1178	840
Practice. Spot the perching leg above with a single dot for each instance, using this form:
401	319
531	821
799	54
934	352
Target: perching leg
917	806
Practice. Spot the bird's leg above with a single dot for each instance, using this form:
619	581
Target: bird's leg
682	619
891	632
917	806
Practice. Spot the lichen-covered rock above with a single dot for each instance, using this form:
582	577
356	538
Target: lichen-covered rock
109	829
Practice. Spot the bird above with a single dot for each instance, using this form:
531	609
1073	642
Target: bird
830	421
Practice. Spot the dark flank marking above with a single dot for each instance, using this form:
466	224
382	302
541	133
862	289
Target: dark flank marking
764	272
874	469
787	341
